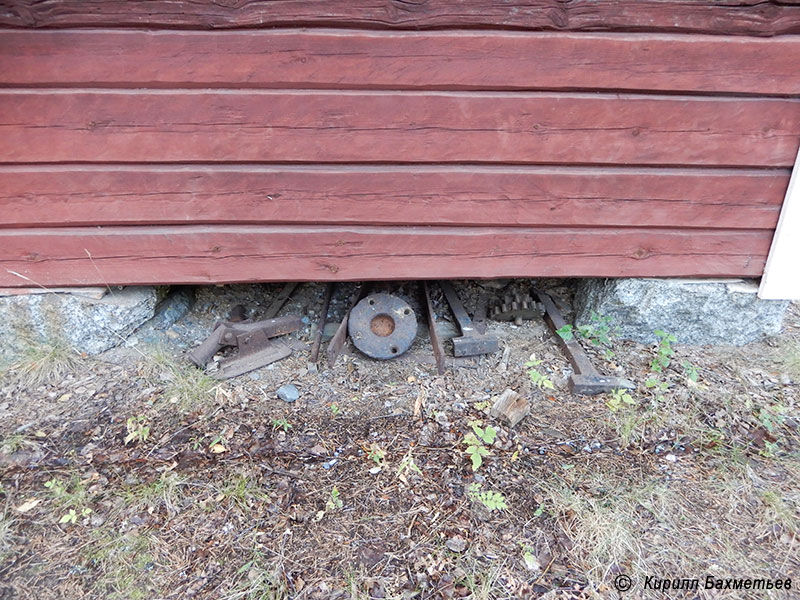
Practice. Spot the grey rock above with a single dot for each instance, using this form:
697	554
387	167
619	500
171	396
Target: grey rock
88	325
172	307
288	393
697	312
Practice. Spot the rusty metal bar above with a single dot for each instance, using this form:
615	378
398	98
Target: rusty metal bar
323	318
436	342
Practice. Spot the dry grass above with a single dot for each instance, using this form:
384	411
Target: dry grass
44	363
791	359
184	385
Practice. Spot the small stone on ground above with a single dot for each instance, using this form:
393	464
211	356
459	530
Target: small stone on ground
288	393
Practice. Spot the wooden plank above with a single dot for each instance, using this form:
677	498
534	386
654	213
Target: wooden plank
519	196
446	127
225	254
781	280
339	59
748	17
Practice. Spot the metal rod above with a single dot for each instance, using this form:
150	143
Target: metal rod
323	318
436	342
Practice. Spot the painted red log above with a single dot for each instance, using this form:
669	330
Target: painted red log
227	254
748	17
517	196
453	127
400	60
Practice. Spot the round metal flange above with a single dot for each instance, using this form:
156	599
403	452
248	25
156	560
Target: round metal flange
382	326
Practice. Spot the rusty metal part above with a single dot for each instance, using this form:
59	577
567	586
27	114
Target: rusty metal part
250	339
382	326
256	350
471	342
479	316
337	341
323	318
517	307
280	300
438	349
586	381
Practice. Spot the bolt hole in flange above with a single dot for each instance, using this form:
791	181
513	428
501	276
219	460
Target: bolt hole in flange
382	326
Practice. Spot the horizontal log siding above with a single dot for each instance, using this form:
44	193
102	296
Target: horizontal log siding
139	157
224	254
337	59
742	17
396	127
358	195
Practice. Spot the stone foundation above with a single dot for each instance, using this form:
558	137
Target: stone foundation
696	311
89	321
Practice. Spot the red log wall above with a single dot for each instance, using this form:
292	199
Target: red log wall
196	142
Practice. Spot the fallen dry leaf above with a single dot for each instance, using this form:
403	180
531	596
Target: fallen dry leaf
29	505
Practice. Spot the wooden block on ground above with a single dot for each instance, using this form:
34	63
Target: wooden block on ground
510	408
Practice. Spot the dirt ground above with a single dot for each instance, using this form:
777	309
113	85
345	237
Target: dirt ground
135	475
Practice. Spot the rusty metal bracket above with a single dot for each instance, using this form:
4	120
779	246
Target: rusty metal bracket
253	341
471	342
382	326
586	381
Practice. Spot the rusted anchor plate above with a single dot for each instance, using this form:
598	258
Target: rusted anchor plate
382	326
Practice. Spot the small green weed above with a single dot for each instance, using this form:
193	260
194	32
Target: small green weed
566	332
664	351
407	465
281	424
334	501
476	442
537	377
138	429
335	410
72	516
597	333
618	399
377	455
690	371
69	496
490	499
656	384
